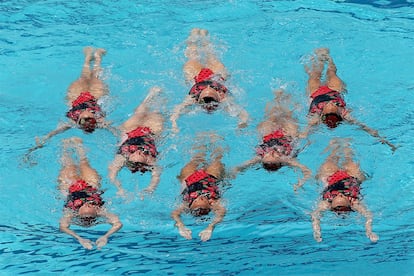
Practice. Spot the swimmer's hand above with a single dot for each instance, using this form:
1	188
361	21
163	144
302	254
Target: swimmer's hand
297	186
101	242
205	235
175	128
86	243
242	125
39	143
121	193
185	232
146	192
372	236
317	236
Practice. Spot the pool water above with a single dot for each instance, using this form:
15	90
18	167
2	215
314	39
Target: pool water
264	44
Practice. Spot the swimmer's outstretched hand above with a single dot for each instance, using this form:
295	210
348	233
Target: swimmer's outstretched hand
388	143
317	236
205	235
39	143
185	232
101	242
242	125
175	128
121	193
88	244
372	236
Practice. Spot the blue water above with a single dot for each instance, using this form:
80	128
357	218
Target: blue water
267	229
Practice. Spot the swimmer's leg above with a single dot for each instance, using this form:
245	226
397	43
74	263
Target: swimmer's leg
88	174
98	59
142	110
69	171
86	69
314	75
193	65
333	81
216	167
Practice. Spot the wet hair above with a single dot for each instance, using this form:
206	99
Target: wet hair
332	120
198	212
87	221
272	167
88	124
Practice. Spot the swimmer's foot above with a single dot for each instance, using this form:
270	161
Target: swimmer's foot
88	50
334	146
154	91
78	145
99	53
313	66
323	54
199	153
194	36
217	153
203	32
88	55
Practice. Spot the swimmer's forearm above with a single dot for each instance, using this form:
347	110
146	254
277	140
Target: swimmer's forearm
65	229
116	226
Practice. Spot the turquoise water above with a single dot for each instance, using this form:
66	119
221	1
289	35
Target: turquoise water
267	229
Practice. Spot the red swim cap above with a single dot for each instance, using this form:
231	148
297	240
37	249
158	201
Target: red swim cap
204	74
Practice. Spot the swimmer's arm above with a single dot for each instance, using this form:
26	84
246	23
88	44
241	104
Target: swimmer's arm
41	141
316	219
64	227
114	169
372	132
245	165
155	179
220	212
236	110
176	215
189	100
116	225
108	126
360	208
305	171
312	122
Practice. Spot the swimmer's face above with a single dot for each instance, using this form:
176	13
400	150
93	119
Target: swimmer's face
331	115
340	203
271	161
88	210
200	206
87	121
209	99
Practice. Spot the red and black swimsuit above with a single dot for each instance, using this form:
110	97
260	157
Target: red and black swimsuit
141	139
80	193
203	80
198	184
322	96
85	101
342	182
276	141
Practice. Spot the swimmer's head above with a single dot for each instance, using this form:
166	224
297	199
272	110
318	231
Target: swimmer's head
340	204
332	120
272	166
200	206
87	214
209	99
88	124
